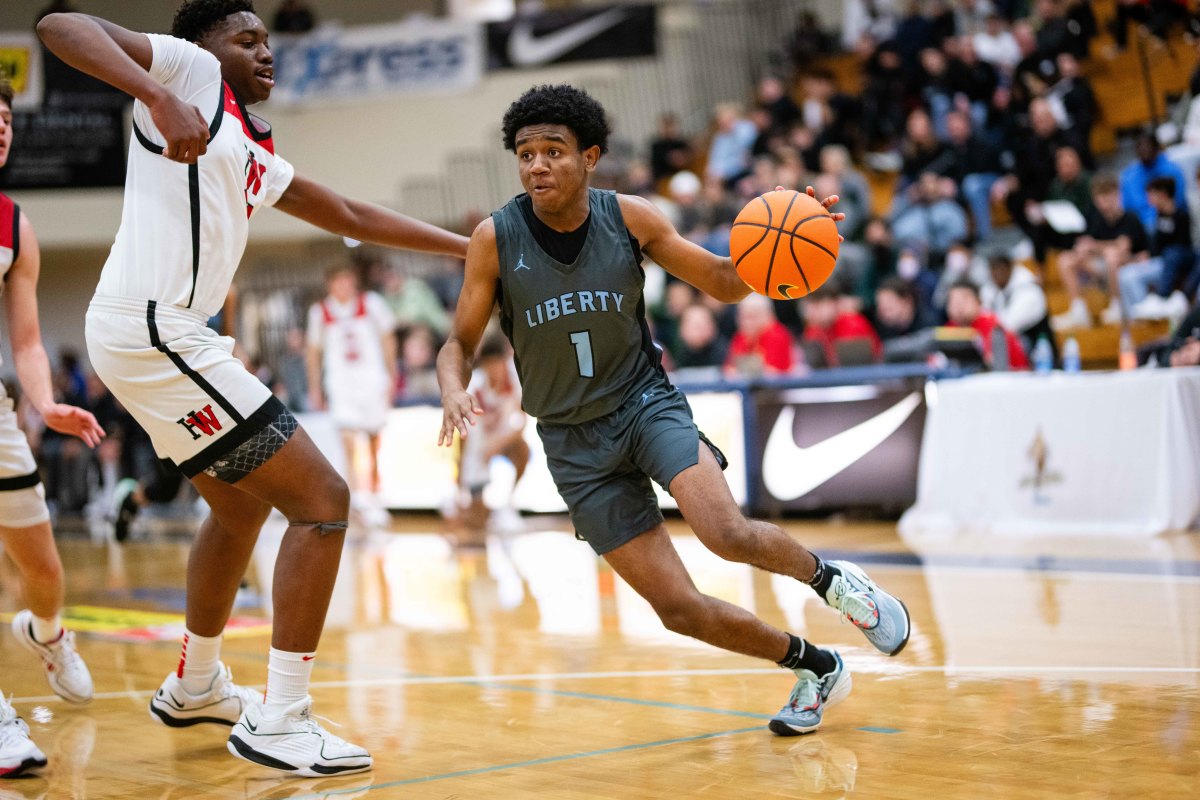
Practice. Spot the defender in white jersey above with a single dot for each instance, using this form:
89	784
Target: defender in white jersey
24	519
351	360
200	166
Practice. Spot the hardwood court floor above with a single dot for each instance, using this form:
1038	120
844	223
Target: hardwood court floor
1036	669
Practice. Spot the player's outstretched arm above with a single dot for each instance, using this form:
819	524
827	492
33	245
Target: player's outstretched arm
685	260
121	58
475	304
711	274
319	205
33	367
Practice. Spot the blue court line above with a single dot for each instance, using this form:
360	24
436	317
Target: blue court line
1034	563
466	773
615	699
874	729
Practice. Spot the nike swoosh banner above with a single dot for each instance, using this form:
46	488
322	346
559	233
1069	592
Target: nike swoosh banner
838	447
555	37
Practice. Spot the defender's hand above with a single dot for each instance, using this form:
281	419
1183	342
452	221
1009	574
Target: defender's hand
459	409
74	422
184	128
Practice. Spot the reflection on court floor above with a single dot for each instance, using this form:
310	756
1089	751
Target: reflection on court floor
526	668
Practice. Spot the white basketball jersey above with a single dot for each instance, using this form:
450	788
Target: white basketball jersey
184	227
350	336
10	240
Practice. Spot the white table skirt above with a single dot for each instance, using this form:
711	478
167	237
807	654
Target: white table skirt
1091	453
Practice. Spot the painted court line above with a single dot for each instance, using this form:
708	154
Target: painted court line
466	773
880	669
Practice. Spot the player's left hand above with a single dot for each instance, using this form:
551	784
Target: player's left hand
459	410
74	422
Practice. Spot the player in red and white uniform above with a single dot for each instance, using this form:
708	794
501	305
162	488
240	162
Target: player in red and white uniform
24	519
200	165
352	365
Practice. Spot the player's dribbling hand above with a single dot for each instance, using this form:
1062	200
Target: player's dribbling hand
829	203
183	126
74	422
459	410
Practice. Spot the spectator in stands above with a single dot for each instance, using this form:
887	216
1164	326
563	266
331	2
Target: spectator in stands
1171	265
973	165
995	44
883	114
874	19
1063	32
921	150
971	16
899	311
669	151
773	97
965	310
1036	69
856	193
292	374
418	374
1033	151
1114	237
829	113
1157	17
762	345
882	256
933	222
1136	177
1014	295
413	302
1072	99
1071	184
666	315
973	80
700	342
729	152
833	331
294	16
809	42
937	92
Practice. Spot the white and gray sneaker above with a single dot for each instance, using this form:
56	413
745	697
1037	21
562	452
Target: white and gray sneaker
294	742
18	753
221	704
882	618
810	697
65	670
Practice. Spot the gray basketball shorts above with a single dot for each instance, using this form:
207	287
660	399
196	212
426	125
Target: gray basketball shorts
603	467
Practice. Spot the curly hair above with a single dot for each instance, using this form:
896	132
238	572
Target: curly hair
195	18
558	105
6	91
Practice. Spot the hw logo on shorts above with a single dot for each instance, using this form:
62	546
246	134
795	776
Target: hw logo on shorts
204	421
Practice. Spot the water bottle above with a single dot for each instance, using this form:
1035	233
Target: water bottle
1128	355
1070	355
1043	357
999	349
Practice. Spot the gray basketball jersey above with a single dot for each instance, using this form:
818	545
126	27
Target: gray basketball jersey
578	330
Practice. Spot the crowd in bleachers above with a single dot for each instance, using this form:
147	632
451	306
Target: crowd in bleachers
961	148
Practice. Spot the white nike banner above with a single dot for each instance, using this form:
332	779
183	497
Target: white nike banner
335	63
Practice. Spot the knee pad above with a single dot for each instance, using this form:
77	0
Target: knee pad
25	507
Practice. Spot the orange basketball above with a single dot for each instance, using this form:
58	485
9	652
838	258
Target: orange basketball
784	244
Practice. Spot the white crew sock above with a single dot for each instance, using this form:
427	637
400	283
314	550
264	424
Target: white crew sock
288	675
198	661
48	630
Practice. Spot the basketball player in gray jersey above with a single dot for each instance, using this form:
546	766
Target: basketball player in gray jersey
564	263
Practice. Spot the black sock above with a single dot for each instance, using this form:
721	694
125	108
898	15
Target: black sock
805	655
822	577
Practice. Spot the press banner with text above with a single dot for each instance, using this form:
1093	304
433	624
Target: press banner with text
334	63
555	37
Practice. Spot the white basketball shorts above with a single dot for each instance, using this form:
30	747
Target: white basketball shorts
359	400
22	498
180	381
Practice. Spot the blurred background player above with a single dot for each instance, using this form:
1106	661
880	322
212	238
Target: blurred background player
352	354
500	431
24	518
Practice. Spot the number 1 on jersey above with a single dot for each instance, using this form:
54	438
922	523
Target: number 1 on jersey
583	353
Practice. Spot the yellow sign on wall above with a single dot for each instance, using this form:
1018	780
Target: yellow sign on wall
21	65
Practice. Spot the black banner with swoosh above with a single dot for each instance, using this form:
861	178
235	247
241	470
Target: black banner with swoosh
555	37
